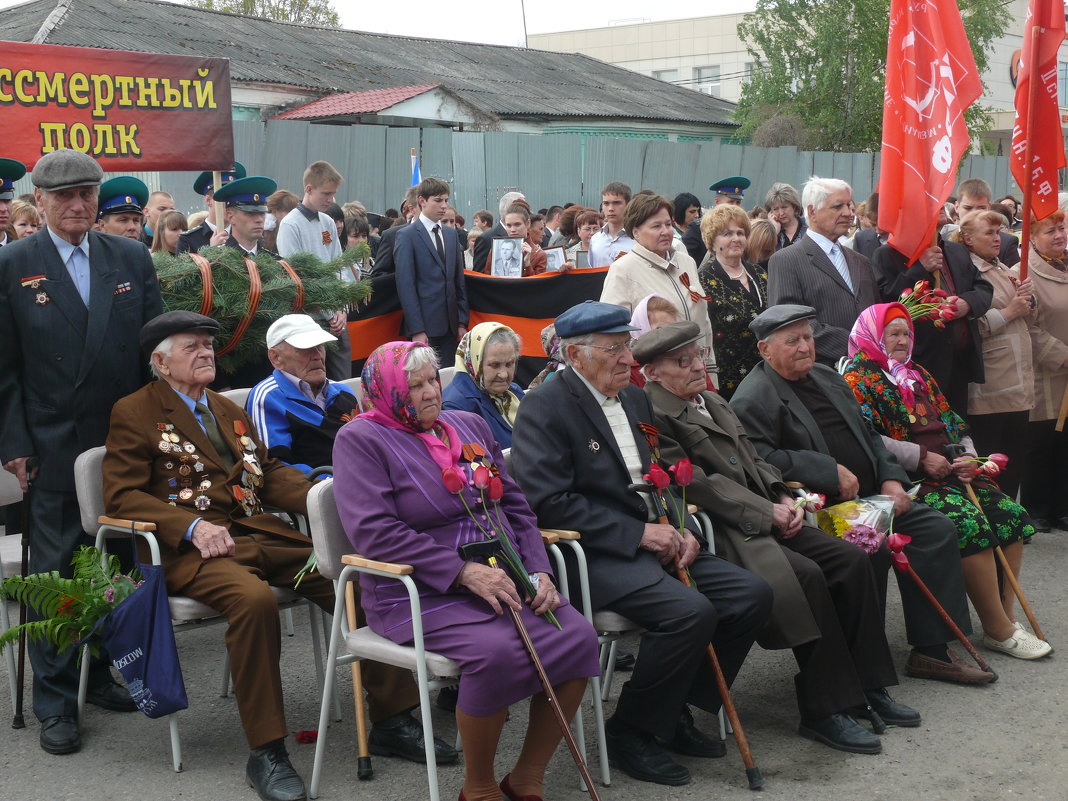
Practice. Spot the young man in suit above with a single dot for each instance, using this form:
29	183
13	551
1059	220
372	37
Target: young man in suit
430	274
577	445
817	271
71	304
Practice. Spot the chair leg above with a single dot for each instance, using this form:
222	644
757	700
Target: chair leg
83	685
225	691
176	743
326	620
598	719
329	678
609	670
288	617
428	742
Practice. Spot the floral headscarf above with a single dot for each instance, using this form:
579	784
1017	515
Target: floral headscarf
640	318
469	354
867	338
387	401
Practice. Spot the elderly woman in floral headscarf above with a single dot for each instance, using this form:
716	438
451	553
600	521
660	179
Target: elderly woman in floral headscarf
484	383
905	405
408	480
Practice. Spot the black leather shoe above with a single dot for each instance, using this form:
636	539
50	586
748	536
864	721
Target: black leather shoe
402	736
624	661
891	712
1042	525
270	773
841	732
637	754
59	735
447	697
110	695
691	741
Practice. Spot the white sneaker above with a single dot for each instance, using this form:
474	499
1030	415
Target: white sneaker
1022	645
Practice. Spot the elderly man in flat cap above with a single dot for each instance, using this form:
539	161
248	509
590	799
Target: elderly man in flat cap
190	461
803	419
578	442
827	603
71	304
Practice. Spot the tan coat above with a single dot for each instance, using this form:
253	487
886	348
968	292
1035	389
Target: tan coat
1010	379
1048	337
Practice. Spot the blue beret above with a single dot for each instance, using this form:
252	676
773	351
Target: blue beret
593	317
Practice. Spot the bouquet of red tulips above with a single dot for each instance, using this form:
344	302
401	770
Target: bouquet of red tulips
925	303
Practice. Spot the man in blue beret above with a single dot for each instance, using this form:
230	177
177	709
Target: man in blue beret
10	171
577	445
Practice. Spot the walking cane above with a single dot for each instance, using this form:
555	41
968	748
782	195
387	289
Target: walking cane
490	549
18	721
363	760
752	772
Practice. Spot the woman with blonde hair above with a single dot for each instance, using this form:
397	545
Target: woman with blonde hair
168	228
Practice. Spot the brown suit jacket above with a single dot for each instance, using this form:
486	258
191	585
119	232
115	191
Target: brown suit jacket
735	487
137	477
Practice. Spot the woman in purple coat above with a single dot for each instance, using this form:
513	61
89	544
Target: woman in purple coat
404	475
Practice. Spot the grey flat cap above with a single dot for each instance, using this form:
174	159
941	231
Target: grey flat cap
173	322
778	317
665	339
63	169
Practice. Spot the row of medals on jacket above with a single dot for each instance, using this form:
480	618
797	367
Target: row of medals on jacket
191	484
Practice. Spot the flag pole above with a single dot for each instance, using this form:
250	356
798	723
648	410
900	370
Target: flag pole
1029	174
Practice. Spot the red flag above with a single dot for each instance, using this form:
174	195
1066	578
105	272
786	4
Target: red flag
1047	142
931	79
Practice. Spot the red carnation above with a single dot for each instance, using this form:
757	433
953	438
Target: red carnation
657	477
683	472
495	491
453	478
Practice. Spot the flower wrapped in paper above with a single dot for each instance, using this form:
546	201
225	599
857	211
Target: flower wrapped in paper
864	522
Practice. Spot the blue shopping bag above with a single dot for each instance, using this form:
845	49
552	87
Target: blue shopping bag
139	639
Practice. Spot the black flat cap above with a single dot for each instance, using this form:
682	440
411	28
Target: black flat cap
593	317
779	316
173	322
665	339
64	169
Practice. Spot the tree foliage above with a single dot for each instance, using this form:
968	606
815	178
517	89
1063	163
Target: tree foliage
822	63
306	12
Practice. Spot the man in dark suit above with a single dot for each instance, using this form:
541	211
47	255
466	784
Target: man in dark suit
817	271
387	243
196	238
71	304
827	597
974	194
484	244
803	419
868	240
578	442
430	275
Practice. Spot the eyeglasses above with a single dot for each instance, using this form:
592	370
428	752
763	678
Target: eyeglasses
685	361
614	350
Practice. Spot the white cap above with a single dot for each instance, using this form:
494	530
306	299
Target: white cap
299	330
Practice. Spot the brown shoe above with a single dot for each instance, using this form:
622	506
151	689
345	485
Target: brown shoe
956	670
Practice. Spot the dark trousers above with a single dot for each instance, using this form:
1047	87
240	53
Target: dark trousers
339	358
445	347
851	655
55	533
1044	491
726	608
1004	432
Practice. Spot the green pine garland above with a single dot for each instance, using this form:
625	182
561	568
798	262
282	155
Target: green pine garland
181	287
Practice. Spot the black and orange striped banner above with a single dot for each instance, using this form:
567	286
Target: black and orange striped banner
526	305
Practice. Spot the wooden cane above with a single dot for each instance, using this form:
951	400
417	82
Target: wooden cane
550	694
1007	570
363	760
1063	413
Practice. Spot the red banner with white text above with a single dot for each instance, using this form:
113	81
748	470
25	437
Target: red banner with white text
129	111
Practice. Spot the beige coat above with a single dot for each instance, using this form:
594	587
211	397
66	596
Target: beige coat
1010	379
1048	337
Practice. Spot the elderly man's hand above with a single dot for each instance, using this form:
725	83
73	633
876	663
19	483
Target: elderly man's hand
663	540
902	501
23	470
689	547
492	585
848	485
786	519
338	321
547	598
932	260
212	540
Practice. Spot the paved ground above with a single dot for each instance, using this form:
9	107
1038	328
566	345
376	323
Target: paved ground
1003	741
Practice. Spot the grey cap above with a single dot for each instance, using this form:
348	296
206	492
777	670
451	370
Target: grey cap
64	169
173	322
777	317
665	339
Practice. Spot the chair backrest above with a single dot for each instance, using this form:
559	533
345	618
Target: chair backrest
327	533
238	396
10	491
89	483
507	454
356	385
446	374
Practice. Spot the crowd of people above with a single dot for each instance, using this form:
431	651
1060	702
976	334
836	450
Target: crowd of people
770	348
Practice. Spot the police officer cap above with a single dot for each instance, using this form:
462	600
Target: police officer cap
778	317
205	181
734	186
10	171
593	317
64	169
665	339
122	194
247	194
173	322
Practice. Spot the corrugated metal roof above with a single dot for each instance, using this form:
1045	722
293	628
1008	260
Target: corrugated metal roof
369	102
509	82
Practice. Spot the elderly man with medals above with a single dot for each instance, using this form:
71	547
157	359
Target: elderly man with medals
189	460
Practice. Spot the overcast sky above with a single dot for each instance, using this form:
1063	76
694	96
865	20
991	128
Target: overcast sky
501	21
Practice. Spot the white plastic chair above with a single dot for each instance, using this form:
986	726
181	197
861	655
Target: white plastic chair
10	565
186	612
356	385
238	396
446	375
